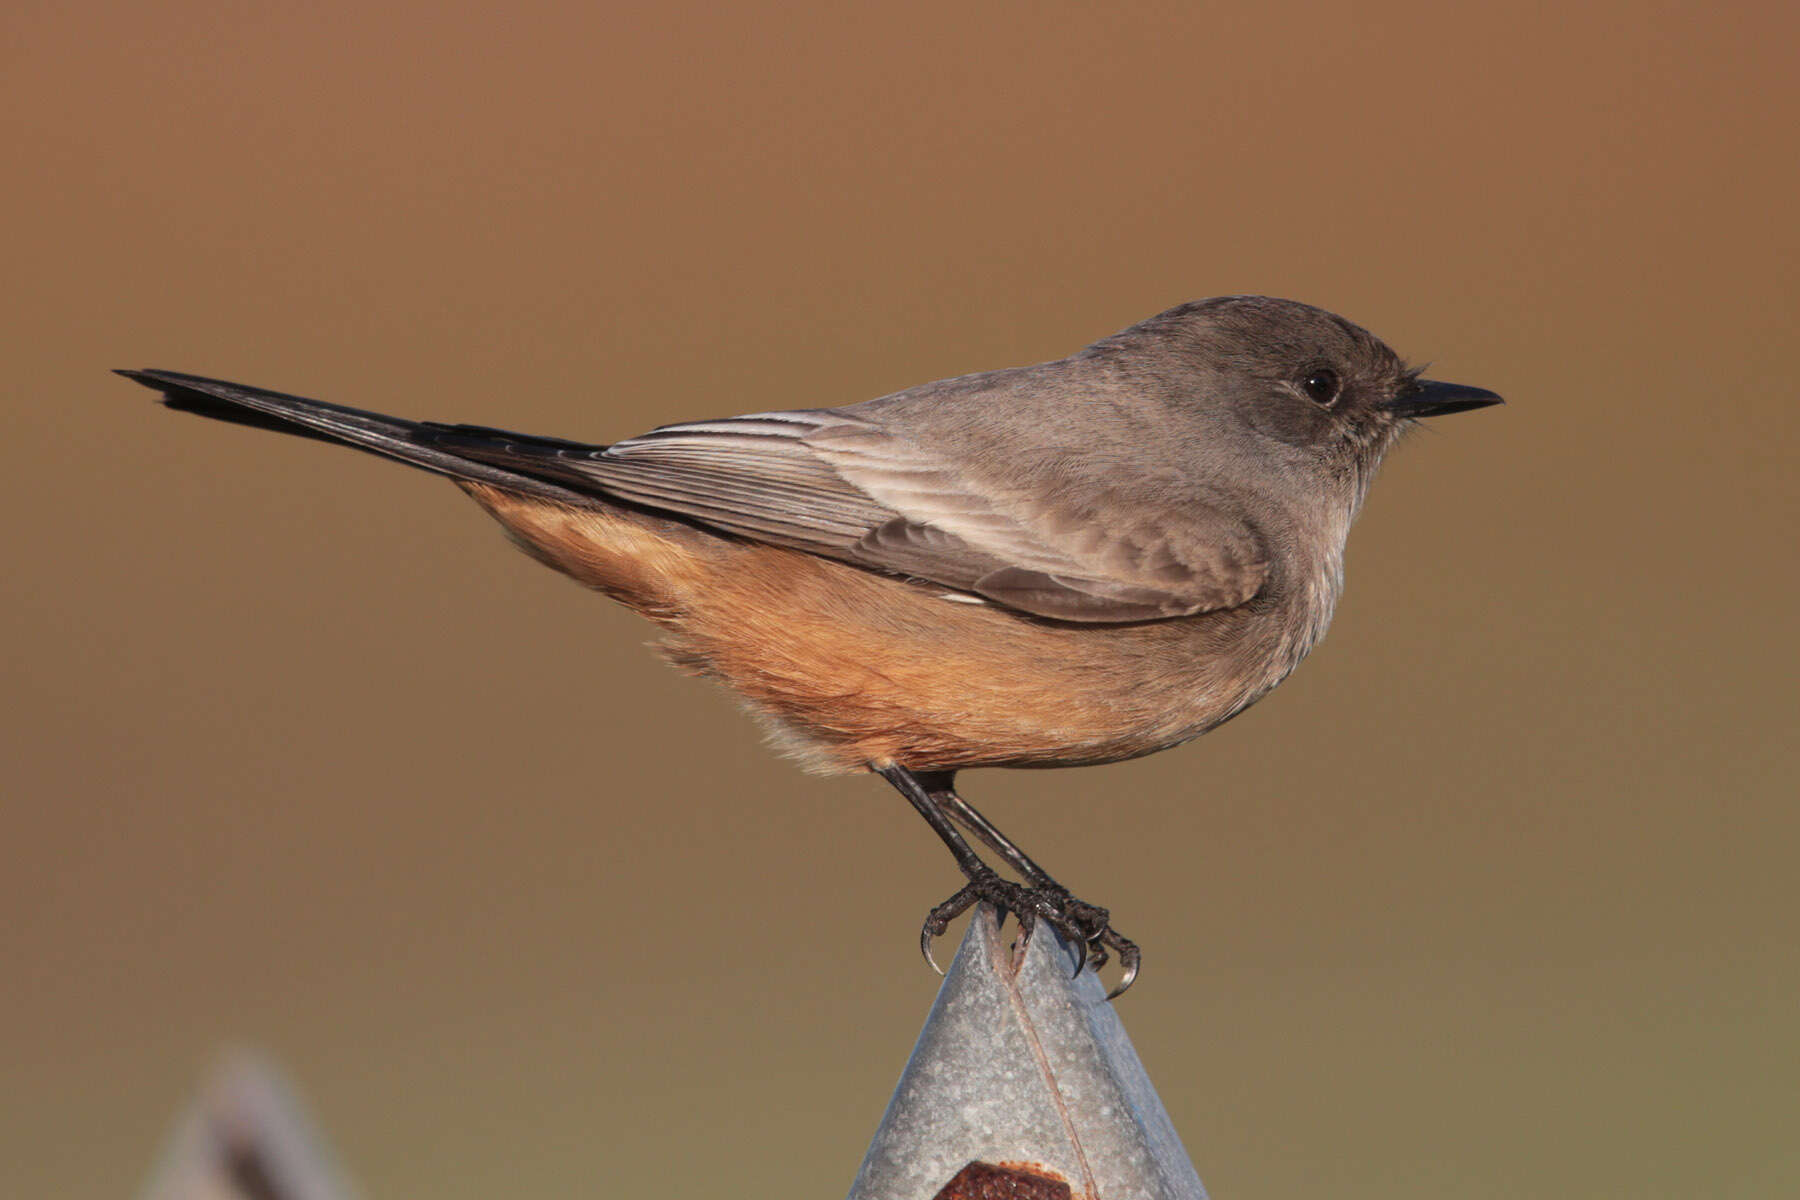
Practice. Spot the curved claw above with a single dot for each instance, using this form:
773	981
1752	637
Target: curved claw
1082	924
1130	957
925	939
1131	971
938	920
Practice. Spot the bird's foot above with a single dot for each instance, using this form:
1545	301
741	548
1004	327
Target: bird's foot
1080	923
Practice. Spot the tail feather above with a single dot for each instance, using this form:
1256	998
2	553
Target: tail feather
410	442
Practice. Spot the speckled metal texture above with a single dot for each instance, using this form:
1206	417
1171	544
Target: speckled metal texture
1020	1063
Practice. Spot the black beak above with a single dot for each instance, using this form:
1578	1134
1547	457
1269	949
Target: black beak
1429	398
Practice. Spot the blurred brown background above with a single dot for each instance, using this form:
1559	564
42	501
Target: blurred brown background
1495	897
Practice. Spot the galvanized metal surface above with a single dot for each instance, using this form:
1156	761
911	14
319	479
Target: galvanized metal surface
1020	1063
245	1138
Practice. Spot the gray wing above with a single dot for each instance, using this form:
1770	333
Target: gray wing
835	484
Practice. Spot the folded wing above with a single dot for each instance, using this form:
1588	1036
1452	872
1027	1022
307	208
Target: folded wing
835	484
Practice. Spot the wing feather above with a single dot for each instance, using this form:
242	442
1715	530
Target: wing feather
838	484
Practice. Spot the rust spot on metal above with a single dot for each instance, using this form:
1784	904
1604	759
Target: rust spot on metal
1005	1181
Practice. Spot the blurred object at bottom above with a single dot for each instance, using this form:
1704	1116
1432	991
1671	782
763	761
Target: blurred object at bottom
1022	1086
1024	1065
245	1138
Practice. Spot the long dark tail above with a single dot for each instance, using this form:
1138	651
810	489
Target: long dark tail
412	442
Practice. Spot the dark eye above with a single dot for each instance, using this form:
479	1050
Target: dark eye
1322	386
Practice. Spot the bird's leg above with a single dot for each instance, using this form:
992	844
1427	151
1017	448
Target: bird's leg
941	790
1096	921
1084	924
983	882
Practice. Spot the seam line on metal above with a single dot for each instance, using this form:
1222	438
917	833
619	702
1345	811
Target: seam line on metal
1010	973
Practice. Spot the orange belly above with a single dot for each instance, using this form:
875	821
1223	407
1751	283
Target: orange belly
853	669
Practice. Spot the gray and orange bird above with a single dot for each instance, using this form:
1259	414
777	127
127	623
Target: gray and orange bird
1077	562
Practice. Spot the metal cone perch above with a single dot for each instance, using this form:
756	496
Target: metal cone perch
1022	1067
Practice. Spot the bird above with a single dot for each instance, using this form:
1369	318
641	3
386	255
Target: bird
1072	563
